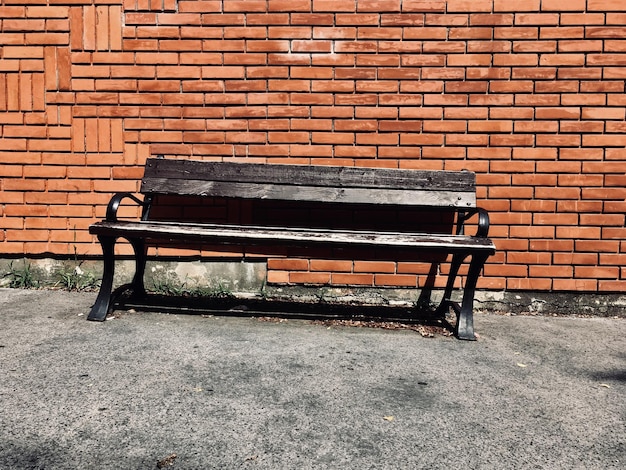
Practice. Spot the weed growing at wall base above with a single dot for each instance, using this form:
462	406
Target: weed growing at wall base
76	279
168	283
21	277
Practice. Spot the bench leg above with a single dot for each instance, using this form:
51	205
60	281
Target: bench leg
101	307
465	317
139	248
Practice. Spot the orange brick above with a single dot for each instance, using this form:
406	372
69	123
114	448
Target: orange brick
309	278
592	272
333	5
414	268
374	267
244	5
529	284
605	5
352	279
278	277
289	5
400	280
115	28
331	265
613	286
288	264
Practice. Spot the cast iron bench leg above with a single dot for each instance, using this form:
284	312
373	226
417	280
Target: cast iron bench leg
101	307
465	318
138	287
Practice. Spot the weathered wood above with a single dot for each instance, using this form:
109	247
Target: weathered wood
311	175
245	234
400	196
310	183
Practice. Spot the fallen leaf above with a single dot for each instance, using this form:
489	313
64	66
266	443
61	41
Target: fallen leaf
167	461
521	365
388	418
427	331
424	332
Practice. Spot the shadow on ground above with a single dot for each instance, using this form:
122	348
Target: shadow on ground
406	316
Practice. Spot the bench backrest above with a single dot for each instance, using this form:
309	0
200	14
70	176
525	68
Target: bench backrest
333	184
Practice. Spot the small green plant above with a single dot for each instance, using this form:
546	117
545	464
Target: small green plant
21	277
321	295
217	292
221	292
263	291
75	279
166	283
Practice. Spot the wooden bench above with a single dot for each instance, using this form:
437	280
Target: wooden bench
359	189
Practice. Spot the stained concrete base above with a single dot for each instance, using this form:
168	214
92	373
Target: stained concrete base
249	278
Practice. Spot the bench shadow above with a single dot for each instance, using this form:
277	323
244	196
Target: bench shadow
416	315
616	375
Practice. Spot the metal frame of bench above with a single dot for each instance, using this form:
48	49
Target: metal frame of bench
307	183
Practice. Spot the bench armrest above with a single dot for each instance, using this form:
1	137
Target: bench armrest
116	200
483	222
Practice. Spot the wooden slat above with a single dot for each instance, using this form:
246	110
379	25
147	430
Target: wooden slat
312	175
310	183
249	235
194	187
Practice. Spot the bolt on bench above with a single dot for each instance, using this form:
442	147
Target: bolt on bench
447	192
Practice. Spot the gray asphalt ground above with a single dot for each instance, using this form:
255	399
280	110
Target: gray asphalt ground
230	393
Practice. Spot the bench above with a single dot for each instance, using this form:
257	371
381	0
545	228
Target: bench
357	190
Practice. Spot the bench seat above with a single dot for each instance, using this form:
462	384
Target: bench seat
246	234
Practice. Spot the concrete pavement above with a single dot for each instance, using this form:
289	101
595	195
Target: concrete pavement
148	390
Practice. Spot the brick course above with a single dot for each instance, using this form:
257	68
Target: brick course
529	94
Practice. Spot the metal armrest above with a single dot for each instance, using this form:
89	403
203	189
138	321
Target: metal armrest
483	222
116	200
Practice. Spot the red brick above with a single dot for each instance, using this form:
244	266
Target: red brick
516	5
352	279
612	259
402	19
469	5
592	272
529	284
588	285
580	180
403	280
245	5
333	5
605	5
278	277
309	278
374	267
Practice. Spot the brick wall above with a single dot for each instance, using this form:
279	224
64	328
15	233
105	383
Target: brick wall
529	94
